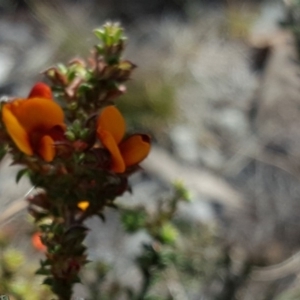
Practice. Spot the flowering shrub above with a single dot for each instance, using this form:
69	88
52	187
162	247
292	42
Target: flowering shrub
73	144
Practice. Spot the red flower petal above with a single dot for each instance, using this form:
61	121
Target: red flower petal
41	90
135	149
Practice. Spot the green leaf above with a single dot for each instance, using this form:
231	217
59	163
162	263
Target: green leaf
118	34
62	68
99	33
20	174
45	262
48	281
76	279
2	151
45	227
85	87
75	234
101	216
42	271
100	49
70	135
126	66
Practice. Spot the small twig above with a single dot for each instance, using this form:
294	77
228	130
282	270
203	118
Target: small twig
194	179
147	279
278	271
14	208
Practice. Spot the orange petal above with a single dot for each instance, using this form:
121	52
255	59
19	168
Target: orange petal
37	243
111	120
41	90
16	131
135	149
37	113
83	205
46	148
108	141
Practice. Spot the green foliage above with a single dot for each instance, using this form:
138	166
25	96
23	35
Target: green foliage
3	151
17	279
181	192
179	251
162	252
292	21
133	220
168	234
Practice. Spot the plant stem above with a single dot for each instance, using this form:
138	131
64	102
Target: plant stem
147	278
64	291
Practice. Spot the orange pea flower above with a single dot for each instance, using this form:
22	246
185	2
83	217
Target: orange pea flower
35	123
124	152
37	243
83	205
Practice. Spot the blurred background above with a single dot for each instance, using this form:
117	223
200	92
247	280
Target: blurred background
217	86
